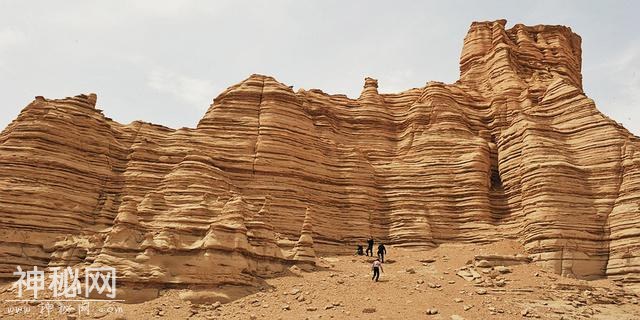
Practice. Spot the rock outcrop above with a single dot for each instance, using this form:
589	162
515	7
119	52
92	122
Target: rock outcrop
303	251
513	149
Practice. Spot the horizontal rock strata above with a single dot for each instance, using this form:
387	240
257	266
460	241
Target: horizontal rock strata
513	149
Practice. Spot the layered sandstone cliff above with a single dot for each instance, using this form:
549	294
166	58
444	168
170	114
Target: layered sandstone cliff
269	177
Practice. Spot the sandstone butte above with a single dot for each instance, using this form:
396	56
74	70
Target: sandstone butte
271	177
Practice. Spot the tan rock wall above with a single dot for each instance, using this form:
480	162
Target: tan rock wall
514	149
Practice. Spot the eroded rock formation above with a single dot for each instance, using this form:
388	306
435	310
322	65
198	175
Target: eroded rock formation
303	251
514	149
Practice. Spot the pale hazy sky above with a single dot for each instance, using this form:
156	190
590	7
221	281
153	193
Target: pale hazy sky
165	61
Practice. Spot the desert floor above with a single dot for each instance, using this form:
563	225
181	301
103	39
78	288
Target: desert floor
413	282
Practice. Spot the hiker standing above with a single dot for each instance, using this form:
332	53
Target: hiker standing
381	252
376	267
369	247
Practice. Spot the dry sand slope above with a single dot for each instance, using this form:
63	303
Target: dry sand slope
413	283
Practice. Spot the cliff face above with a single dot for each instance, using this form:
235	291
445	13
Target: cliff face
269	177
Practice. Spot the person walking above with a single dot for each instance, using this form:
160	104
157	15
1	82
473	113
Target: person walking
376	267
381	252
370	246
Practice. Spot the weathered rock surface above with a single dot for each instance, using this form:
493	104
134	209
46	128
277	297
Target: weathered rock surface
500	260
514	149
303	250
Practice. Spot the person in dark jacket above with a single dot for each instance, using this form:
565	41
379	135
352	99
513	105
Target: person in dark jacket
370	247
381	252
360	250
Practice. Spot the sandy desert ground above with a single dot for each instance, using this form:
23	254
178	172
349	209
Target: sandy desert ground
414	283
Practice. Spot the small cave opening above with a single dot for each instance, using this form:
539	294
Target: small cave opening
496	182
